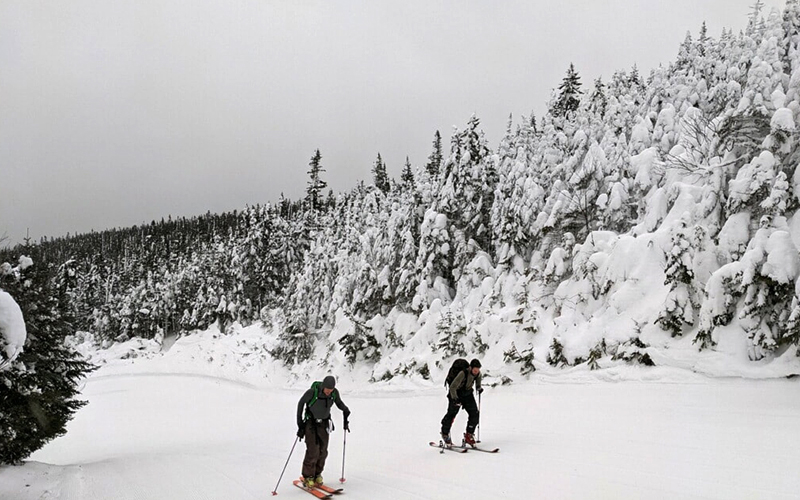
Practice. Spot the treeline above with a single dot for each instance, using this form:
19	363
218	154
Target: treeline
175	275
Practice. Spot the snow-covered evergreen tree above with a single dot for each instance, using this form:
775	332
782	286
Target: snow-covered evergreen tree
452	331
380	177
407	176
38	389
466	195
555	355
681	302
316	185
434	164
518	197
360	344
569	93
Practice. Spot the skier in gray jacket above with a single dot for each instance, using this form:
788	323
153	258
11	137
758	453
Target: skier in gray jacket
314	424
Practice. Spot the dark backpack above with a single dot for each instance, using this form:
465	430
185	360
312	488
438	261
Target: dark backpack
458	366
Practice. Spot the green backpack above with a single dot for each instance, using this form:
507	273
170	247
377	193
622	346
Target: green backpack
317	386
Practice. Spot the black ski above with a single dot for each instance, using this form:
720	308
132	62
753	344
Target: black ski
475	448
442	447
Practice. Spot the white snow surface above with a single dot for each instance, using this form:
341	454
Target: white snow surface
12	329
213	418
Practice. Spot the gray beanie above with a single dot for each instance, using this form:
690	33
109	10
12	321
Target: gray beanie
328	382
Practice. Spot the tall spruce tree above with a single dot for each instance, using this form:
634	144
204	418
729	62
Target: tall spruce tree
791	35
435	159
407	177
754	19
569	93
314	191
466	194
598	100
379	176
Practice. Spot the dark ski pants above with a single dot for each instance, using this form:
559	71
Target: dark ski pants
316	448
469	404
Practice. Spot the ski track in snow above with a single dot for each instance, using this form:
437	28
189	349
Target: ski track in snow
195	437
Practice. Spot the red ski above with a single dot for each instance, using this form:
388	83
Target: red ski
315	492
325	488
328	489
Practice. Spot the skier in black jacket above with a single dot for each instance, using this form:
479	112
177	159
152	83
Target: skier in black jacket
461	395
314	424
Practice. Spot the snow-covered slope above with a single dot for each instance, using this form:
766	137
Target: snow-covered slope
243	355
180	437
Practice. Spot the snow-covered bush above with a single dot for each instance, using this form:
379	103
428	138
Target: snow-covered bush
632	351
555	356
597	352
524	359
762	285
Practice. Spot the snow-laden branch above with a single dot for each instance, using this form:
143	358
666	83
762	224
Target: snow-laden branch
12	330
12	324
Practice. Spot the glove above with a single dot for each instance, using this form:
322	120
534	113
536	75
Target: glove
480	391
457	402
346	421
300	433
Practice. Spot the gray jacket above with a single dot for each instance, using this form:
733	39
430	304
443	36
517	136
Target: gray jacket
321	409
458	382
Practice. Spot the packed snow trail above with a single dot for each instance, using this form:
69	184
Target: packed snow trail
187	438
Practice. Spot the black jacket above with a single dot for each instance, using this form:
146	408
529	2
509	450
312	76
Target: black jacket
321	409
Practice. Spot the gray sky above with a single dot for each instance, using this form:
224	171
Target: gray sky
117	113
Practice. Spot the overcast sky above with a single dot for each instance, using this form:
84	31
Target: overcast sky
114	113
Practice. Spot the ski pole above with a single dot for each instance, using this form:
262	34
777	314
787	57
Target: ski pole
479	422
275	491
344	447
